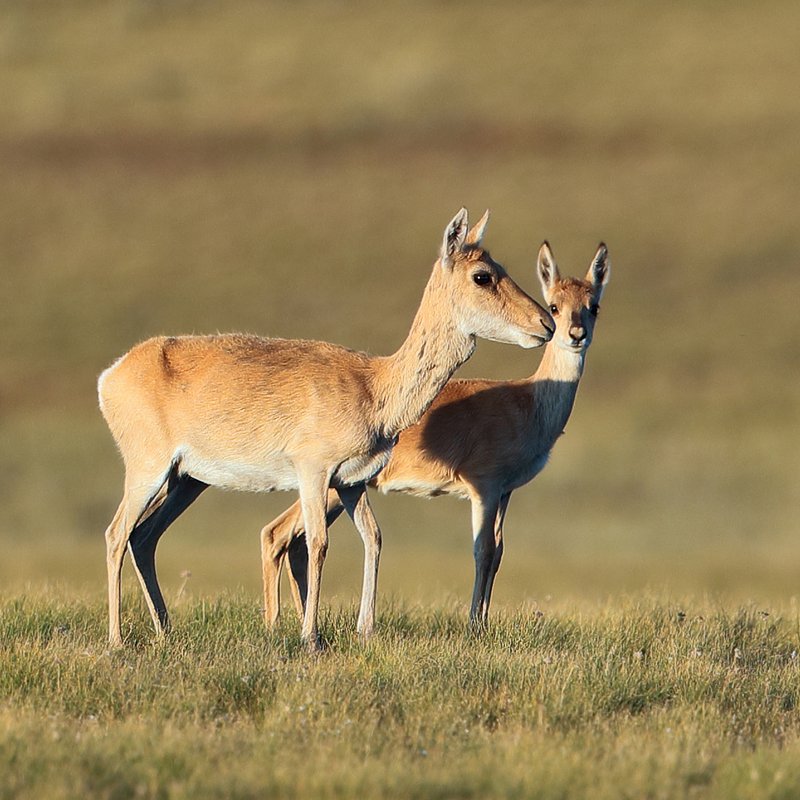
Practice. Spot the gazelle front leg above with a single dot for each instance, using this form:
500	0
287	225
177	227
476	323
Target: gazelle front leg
356	502
285	536
313	487
498	554
484	514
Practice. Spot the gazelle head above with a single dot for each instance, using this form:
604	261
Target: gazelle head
484	299
573	303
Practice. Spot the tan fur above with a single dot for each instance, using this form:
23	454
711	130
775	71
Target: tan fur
481	439
243	412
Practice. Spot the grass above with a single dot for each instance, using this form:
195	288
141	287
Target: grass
643	699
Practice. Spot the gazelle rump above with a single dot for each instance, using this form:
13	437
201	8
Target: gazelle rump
248	413
479	440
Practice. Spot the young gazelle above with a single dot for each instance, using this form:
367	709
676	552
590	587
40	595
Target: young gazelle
242	412
479	440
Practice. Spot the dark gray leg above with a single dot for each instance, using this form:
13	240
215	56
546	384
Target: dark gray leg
182	491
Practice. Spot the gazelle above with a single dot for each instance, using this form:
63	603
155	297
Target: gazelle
479	440
242	412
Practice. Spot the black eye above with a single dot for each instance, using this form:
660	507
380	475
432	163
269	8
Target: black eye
553	309
482	278
594	310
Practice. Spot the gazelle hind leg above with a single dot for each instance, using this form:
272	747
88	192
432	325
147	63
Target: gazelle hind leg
115	553
276	537
297	553
182	491
136	500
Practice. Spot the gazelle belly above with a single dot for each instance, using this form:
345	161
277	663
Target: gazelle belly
276	473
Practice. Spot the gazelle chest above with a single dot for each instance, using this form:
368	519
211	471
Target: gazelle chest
362	467
524	470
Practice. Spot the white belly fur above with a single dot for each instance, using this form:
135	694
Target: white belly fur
419	487
277	473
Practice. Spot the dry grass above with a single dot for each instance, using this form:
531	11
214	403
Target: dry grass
643	699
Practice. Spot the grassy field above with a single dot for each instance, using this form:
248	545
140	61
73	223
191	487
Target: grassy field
288	169
639	700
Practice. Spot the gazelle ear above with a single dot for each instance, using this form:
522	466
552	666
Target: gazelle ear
455	235
599	270
547	268
475	236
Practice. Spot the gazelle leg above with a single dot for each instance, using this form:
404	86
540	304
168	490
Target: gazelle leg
313	490
138	496
498	554
484	513
356	502
285	536
297	553
275	539
115	553
182	491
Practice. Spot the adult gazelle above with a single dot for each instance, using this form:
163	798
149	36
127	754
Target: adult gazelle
255	414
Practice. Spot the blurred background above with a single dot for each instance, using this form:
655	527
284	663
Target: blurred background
288	169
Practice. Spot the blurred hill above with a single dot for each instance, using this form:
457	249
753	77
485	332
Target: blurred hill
288	169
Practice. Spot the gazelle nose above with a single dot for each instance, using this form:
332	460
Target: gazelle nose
577	333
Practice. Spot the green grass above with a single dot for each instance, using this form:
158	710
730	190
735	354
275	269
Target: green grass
642	699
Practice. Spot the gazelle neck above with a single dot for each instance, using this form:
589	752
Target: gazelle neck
554	386
434	349
559	364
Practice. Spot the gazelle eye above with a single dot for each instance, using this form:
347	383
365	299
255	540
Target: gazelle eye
482	278
553	309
